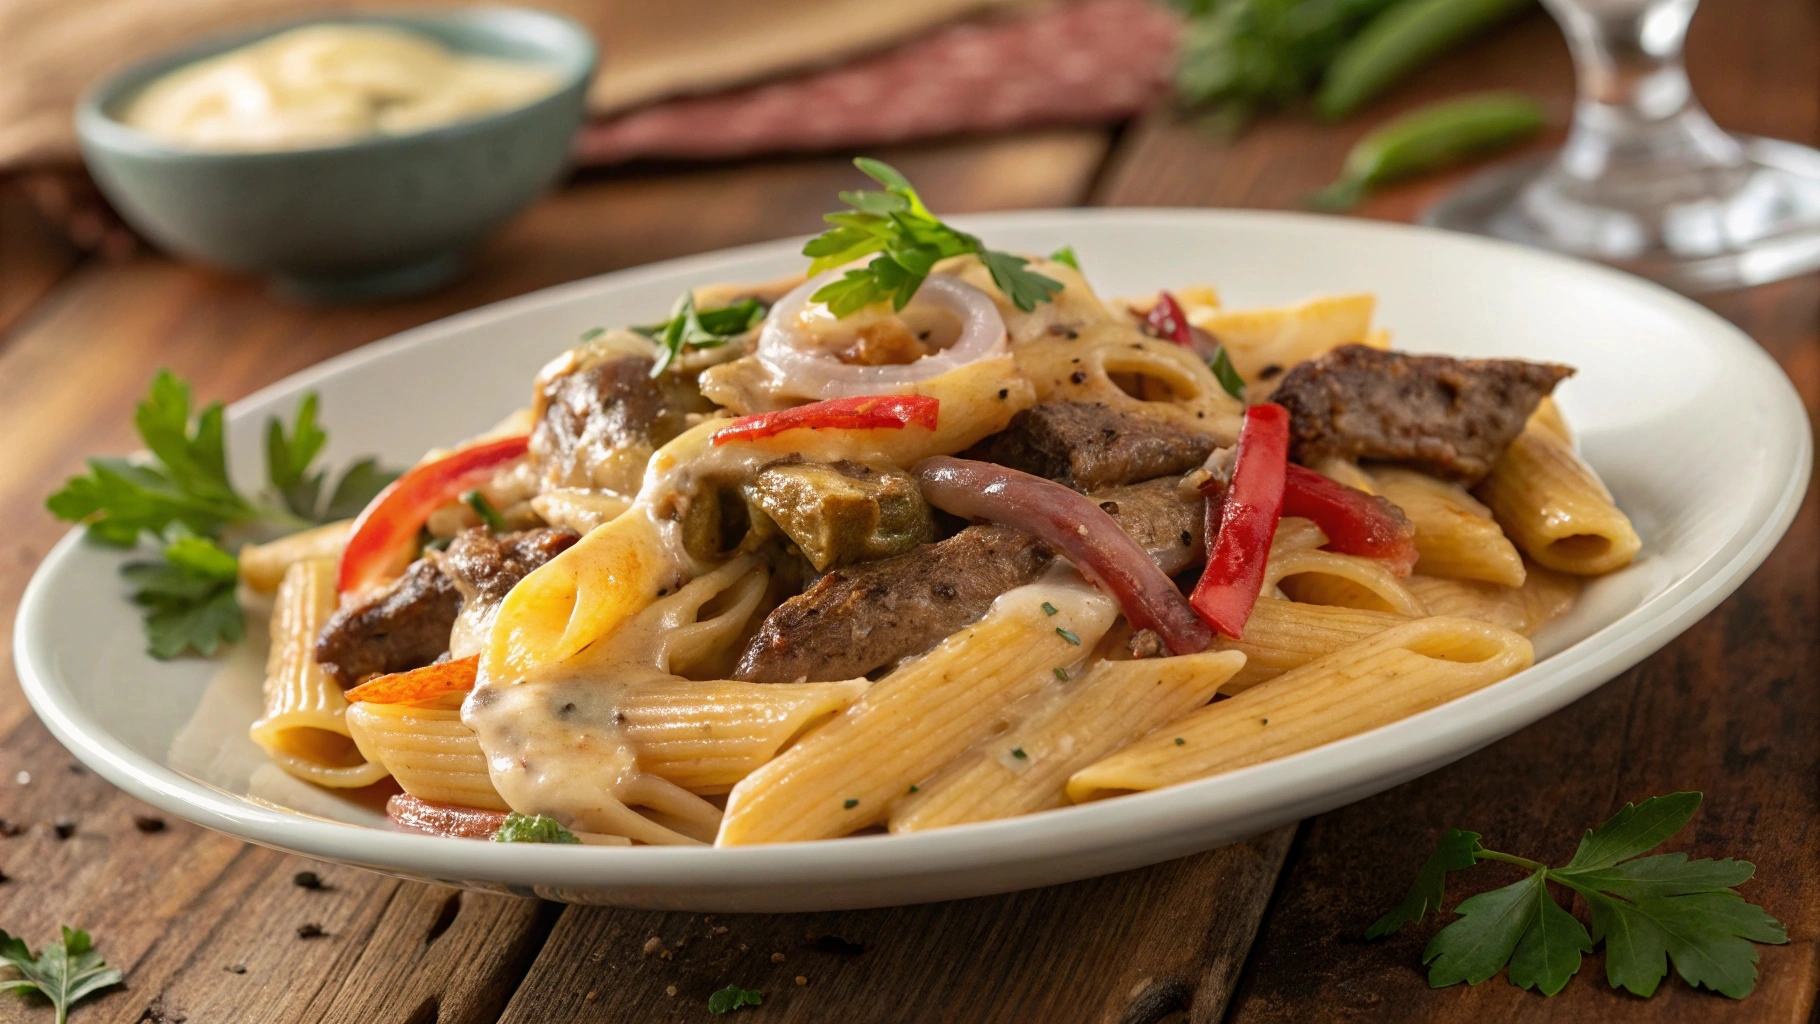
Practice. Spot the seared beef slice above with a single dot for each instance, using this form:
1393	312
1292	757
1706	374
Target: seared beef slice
1450	417
865	617
1087	446
403	627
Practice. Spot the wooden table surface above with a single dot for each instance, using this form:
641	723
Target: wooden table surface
1268	930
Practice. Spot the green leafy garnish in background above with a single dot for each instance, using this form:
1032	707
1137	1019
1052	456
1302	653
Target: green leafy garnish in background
1065	255
733	997
63	972
1647	910
1226	374
710	328
910	240
181	495
532	828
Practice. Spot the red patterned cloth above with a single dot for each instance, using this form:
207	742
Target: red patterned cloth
1082	63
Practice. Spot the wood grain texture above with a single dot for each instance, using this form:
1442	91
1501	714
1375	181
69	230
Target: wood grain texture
33	257
1730	708
183	909
1133	948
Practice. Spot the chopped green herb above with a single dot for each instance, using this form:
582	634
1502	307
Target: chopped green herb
851	803
188	597
1062	674
1068	635
1180	742
593	332
1221	365
688	327
1266	721
64	971
1049	609
485	510
532	828
909	240
913	788
1647	910
733	997
1018	752
1065	255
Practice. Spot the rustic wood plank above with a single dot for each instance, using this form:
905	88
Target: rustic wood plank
181	908
1729	708
33	257
1133	948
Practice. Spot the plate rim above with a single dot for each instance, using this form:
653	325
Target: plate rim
1132	820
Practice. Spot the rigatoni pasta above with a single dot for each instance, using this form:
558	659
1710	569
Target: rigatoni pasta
1555	507
1455	533
304	729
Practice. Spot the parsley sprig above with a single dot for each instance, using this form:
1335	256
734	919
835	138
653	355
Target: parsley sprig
63	971
181	495
532	828
708	328
733	997
1647	910
910	240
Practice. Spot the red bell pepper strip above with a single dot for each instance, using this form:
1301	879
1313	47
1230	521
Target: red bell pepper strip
1168	321
1355	523
388	526
866	412
1237	555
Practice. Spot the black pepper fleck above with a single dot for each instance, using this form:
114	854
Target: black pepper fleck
237	968
1004	392
1078	377
310	931
10	828
1269	371
838	946
147	823
64	828
306	880
1187	538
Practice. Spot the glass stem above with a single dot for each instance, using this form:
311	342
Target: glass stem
1635	107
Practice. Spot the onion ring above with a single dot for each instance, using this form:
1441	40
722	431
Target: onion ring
819	375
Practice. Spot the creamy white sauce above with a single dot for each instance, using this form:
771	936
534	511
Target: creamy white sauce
328	84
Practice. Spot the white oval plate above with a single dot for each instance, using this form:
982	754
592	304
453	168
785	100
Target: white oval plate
1696	430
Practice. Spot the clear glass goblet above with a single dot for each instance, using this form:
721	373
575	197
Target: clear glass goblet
1646	180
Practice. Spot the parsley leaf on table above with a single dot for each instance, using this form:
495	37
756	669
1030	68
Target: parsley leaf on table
1647	910
188	598
532	828
733	997
63	971
910	240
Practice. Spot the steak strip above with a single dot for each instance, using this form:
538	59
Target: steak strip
858	619
1087	445
1449	417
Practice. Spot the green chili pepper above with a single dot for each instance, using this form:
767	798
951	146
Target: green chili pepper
1429	138
1400	39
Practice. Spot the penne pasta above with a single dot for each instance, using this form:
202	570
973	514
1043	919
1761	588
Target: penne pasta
705	737
304	729
1282	336
1455	534
1554	506
1064	729
1544	595
1349	581
846	775
1400	672
262	566
428	750
1282	635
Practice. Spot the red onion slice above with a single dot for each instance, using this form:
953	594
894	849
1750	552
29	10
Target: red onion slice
805	371
1074	525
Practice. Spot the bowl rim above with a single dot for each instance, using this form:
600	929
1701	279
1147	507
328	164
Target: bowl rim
98	128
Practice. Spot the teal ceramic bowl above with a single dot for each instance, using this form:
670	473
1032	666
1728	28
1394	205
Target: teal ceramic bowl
376	217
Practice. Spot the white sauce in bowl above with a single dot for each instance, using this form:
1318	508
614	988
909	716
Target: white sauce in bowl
324	85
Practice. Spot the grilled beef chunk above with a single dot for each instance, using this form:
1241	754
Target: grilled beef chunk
843	512
1449	417
856	620
1087	445
405	626
486	568
864	617
1166	517
601	418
